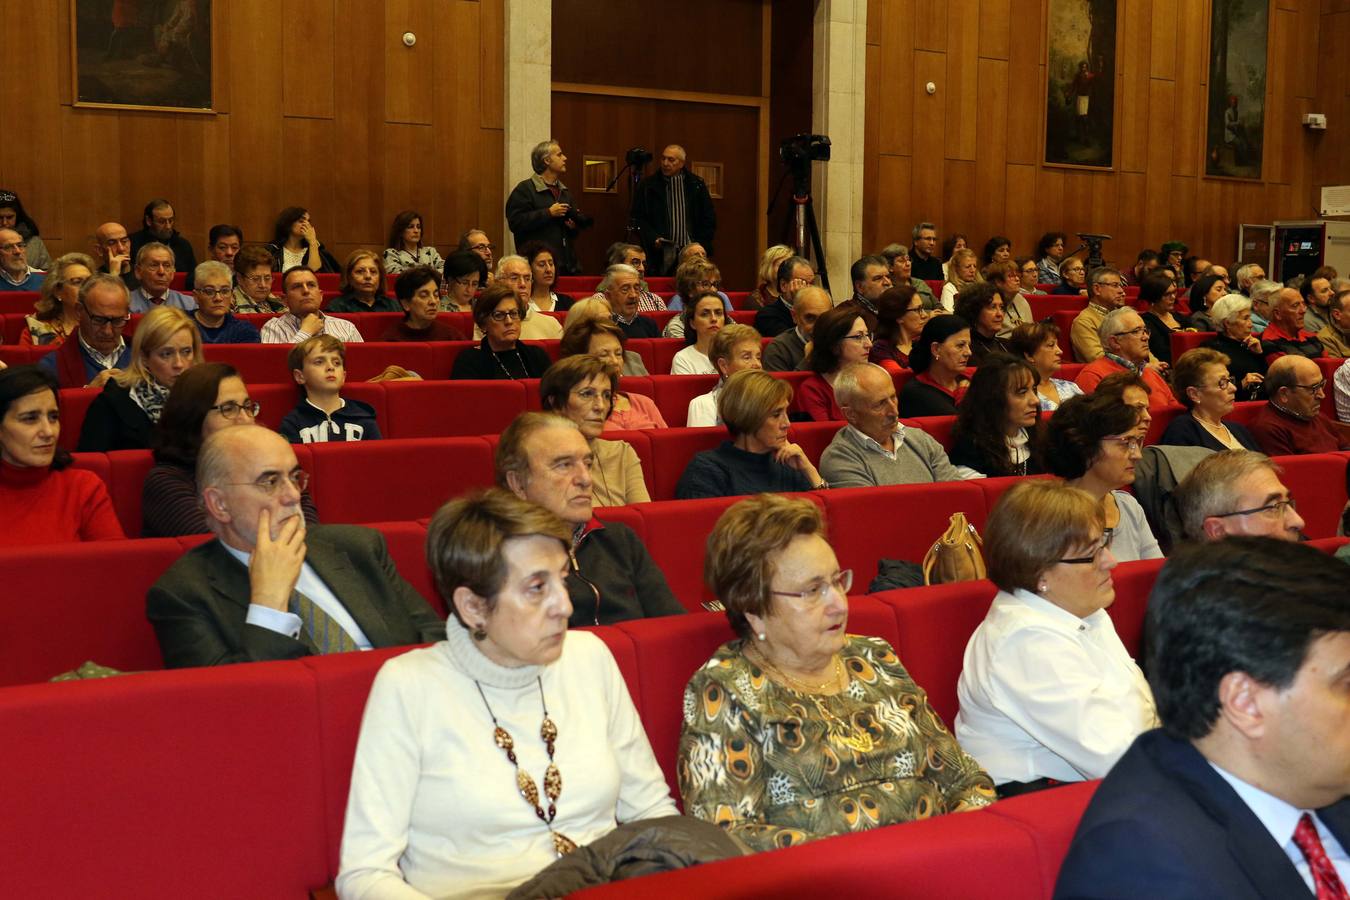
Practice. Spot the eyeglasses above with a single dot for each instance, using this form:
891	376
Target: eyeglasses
211	293
17	245
504	315
269	483
231	409
466	282
589	395
864	337
710	285
479	248
1110	284
1107	536
1134	332
1311	388
1274	510
101	321
260	278
1129	445
1224	383
840	582
916	309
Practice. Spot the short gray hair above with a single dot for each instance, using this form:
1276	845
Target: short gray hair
1111	325
846	388
511	258
103	280
539	153
924	226
617	269
1262	290
1245	270
211	268
1100	273
1207	490
1228	306
892	252
151	247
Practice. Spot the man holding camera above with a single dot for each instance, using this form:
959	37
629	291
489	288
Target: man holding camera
673	209
540	208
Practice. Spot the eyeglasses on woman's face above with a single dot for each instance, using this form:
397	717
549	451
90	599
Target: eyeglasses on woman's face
231	409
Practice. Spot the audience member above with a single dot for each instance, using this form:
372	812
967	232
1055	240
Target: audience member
635	256
157	227
1236	492
120	418
952	243
601	338
253	283
1029	274
56	315
295	243
696	273
1243	791
515	272
766	276
1261	294
1317	292
99	353
44	499
1005	279
363	286
223	243
923	254
323	415
876	448
759	457
14	216
1032	723
1038	344
113	248
15	272
673	208
1124	340
1072	278
544	458
703	318
154	272
498	311
1335	335
1205	388
996	420
204	399
939	360
1232	317
1050	250
621	290
794	274
1290	423
787	600
786	352
404	249
476	241
871	278
1172	253
901	315
1094	443
1206	291
1247	275
268	587
303	318
540	208
964	268
734	349
1107	292
544	274
497	562
418	291
212	292
840	339
998	249
1145	263
902	274
1285	333
581	388
1128	389
465	272
980	305
1161	318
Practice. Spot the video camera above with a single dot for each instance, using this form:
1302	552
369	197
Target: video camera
638	157
804	148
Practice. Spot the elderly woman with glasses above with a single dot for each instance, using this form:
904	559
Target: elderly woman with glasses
840	338
205	399
797	730
1094	443
582	388
1048	692
56	315
165	346
498	311
1232	317
1202	384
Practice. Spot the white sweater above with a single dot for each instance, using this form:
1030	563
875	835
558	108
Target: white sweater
434	810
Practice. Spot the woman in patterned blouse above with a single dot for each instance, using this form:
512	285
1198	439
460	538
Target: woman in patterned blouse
798	730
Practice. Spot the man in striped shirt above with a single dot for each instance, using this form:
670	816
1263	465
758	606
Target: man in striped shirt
673	209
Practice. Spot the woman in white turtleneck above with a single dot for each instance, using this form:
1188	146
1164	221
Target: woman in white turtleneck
434	809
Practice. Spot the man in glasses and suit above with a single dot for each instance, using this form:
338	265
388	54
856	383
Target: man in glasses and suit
267	587
97	352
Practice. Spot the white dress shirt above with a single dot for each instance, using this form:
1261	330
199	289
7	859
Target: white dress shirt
703	409
285	329
313	587
1045	694
1281	820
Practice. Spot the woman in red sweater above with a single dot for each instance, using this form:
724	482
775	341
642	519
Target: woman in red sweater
840	338
42	499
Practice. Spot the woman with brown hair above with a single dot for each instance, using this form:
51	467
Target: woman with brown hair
840	337
901	315
404	250
363	284
56	314
581	388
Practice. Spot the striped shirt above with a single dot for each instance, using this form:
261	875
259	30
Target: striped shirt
285	329
679	216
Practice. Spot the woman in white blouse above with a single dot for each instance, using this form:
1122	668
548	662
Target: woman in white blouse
438	806
704	316
1048	692
404	250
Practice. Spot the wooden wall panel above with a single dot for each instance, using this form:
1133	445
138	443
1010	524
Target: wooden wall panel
303	118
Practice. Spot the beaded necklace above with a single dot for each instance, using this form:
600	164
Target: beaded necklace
524	372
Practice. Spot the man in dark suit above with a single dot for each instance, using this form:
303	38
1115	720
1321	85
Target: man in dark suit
266	588
673	209
1245	790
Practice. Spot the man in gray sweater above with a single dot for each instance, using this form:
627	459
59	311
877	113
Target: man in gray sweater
874	448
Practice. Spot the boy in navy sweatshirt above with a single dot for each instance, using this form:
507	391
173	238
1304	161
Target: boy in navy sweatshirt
318	365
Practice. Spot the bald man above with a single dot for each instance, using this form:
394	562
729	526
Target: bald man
1285	334
112	246
1291	421
673	209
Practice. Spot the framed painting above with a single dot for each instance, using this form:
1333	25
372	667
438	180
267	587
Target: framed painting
1235	122
143	54
1080	83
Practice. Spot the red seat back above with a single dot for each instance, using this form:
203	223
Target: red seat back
74	404
1317	482
814	437
451	408
381	481
18	301
1188	340
672	448
1134	583
1064	319
673	393
939	428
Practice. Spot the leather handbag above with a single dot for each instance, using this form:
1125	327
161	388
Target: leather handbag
956	555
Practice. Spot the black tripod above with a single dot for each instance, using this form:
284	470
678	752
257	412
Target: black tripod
632	232
803	225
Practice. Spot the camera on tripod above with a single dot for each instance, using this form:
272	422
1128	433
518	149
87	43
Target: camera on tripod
638	157
804	148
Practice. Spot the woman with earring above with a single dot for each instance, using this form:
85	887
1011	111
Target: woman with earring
1048	692
797	730
484	758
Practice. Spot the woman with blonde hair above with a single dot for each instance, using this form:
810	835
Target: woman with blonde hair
121	418
963	269
766	277
56	315
363	283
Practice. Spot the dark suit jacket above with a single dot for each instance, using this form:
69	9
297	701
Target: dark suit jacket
199	605
114	422
1165	825
652	212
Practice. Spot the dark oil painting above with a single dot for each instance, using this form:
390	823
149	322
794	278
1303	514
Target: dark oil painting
1236	120
1080	102
142	53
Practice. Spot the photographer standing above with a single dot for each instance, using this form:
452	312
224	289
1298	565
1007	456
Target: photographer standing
673	209
540	208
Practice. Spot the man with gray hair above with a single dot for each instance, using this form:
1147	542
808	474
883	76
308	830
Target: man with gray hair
672	209
1124	340
874	448
97	351
786	351
1247	275
1236	492
1261	293
540	208
621	290
794	274
635	256
1106	291
537	325
1285	334
213	290
927	266
268	587
15	272
154	272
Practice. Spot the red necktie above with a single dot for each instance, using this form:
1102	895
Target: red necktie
1325	879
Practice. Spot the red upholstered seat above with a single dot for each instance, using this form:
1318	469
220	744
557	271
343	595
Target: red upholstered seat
451	408
74	404
994	488
1161	419
1134	582
1244	412
1069	371
1046	305
18	301
814	437
1064	319
673	393
1188	340
672	448
1050	818
1329	366
676	536
366	360
257	363
126	482
939	428
1317	483
663	354
379	481
277	397
407	543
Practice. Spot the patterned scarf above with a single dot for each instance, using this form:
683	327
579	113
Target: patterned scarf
150	396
